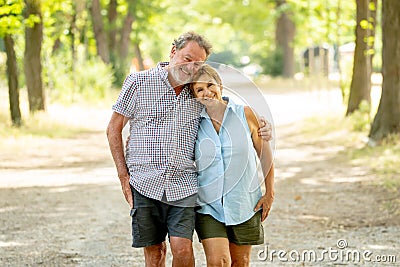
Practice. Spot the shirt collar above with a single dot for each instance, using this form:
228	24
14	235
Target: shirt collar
162	70
161	67
229	106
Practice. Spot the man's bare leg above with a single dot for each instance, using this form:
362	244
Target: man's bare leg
182	252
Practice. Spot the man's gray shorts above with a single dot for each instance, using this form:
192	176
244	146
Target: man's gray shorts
152	220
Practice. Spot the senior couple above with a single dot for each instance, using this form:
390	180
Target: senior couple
191	161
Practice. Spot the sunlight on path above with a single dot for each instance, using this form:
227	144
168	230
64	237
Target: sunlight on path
57	177
289	108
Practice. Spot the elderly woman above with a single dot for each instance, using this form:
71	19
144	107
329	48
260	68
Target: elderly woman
232	205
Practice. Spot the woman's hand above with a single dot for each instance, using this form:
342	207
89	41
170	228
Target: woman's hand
265	203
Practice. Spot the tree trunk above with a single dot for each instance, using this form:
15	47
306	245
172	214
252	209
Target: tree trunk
387	119
72	32
338	41
139	57
99	33
32	58
122	67
360	88
285	32
373	5
12	75
112	31
125	34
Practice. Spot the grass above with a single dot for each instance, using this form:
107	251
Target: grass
36	128
39	124
60	120
282	85
382	161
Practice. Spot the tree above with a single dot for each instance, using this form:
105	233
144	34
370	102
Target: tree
99	32
113	41
12	74
126	21
360	89
10	18
387	119
121	62
285	33
112	31
32	55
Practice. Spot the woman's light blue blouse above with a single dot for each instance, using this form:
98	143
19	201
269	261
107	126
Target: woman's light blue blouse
229	186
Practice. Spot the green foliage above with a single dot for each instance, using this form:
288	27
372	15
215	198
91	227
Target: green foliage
361	117
93	79
321	21
88	79
364	24
345	79
247	28
232	26
32	20
10	17
236	29
243	28
225	57
120	71
57	20
273	64
344	85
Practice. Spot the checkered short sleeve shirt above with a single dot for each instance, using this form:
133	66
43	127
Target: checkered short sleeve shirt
163	130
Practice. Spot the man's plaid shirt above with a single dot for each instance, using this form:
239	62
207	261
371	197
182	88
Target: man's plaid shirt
163	130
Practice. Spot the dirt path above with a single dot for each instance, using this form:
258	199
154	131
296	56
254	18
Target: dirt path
61	205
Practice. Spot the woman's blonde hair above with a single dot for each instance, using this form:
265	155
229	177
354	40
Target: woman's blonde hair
205	69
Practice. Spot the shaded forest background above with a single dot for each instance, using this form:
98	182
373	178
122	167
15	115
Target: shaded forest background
67	50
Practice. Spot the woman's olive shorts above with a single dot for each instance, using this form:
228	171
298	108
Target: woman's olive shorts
250	232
